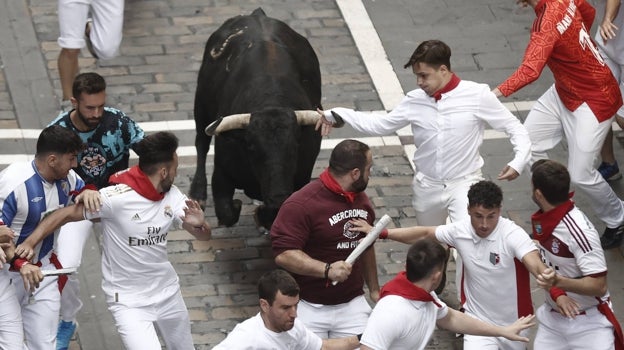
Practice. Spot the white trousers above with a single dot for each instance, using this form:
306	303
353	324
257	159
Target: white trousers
106	33
40	310
557	332
11	326
335	321
548	122
69	246
136	324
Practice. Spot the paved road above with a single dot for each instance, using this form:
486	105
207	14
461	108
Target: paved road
154	81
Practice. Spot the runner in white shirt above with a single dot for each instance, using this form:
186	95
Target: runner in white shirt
577	313
448	117
11	331
139	282
276	326
28	192
408	311
496	254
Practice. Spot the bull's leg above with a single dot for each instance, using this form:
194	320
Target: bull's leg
199	184
227	209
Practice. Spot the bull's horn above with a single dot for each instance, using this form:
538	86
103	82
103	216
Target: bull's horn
307	117
234	121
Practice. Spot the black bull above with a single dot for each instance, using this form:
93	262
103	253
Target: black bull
256	65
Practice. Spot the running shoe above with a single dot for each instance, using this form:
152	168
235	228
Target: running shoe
610	172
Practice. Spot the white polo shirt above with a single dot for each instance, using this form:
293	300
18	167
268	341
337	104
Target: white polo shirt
398	323
496	285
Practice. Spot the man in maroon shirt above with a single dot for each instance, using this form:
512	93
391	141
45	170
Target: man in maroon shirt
580	105
311	237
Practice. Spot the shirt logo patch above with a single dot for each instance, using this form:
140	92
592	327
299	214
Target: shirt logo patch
494	258
554	246
346	231
136	217
36	199
537	228
168	212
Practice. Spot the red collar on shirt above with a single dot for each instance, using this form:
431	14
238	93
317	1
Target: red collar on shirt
544	223
335	187
401	286
138	181
448	87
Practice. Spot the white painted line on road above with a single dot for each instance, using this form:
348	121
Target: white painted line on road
373	54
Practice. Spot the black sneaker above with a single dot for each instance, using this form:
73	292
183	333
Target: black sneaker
612	237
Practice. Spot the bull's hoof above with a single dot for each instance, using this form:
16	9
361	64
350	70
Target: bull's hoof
232	219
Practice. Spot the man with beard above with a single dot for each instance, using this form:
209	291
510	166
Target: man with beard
109	135
276	325
498	256
311	237
141	287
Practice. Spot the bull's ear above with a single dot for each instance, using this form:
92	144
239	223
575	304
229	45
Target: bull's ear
339	121
211	129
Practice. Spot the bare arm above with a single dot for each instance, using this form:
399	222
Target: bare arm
459	322
533	262
298	262
588	285
346	343
48	225
607	29
407	235
369	264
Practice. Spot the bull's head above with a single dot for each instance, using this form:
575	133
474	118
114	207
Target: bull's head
273	139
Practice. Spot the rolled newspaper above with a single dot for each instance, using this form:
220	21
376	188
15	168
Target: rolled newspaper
370	238
58	272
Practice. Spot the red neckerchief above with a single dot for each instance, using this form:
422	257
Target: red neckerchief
335	187
448	87
544	223
138	181
604	309
401	286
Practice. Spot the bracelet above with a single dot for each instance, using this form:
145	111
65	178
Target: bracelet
383	234
327	267
556	293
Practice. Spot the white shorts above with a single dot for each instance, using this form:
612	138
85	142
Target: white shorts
136	324
107	29
557	332
335	321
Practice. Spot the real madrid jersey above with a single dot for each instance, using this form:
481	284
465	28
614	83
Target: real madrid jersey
135	266
26	197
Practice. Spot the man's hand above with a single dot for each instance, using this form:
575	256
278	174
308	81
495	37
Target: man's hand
508	173
6	234
324	124
547	279
7	252
91	200
25	251
193	213
339	271
608	30
31	274
567	306
360	225
374	295
512	332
